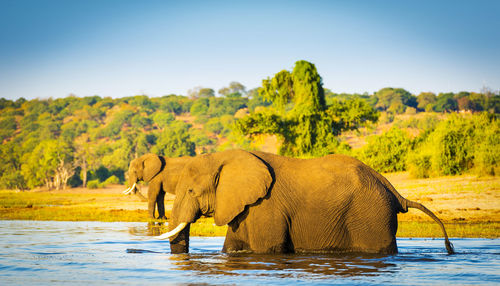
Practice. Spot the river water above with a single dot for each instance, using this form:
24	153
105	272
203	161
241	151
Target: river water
93	253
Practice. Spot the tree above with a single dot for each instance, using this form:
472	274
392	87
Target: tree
446	102
201	92
425	101
255	100
163	119
479	102
83	156
140	122
394	100
299	115
235	89
174	141
464	103
118	120
50	164
143	102
200	106
10	166
172	103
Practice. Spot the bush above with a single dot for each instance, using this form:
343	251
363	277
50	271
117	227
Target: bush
110	181
387	152
458	145
425	123
487	148
419	164
94	184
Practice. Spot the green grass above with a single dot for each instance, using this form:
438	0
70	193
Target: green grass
432	229
72	214
66	207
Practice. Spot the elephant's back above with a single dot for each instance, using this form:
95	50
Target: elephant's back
347	201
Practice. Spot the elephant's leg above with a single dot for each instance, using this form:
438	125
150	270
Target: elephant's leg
235	242
260	232
375	233
160	202
151	208
153	191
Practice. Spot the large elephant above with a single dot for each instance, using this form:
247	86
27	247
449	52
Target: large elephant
275	204
162	173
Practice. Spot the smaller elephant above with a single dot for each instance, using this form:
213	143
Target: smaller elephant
162	174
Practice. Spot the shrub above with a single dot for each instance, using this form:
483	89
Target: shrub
419	164
487	147
111	180
457	145
94	184
387	152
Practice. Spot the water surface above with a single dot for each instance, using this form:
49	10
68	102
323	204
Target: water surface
48	252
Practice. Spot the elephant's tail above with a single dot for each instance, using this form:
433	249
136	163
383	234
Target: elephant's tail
405	204
412	204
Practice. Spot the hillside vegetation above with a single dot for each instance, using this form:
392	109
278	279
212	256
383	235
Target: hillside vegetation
89	141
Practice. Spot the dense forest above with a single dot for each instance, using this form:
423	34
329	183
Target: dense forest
90	141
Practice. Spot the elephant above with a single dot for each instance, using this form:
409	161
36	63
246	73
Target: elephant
277	204
162	173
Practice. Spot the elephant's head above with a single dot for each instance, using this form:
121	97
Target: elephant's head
144	169
219	185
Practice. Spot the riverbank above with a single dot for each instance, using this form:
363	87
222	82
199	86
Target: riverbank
468	205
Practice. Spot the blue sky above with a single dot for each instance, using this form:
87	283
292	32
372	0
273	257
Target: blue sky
121	48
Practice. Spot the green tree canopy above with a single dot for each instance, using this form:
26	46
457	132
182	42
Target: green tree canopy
235	89
48	164
175	141
426	100
394	100
201	92
299	115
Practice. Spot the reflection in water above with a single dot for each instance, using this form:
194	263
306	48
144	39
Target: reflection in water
151	229
289	265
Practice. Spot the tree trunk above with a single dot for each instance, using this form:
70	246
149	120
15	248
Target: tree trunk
84	170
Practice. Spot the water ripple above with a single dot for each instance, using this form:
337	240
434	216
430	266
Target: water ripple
123	253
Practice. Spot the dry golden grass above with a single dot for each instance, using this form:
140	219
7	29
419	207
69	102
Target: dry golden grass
466	199
469	206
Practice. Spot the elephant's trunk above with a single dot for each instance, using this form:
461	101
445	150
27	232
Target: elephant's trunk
185	211
180	242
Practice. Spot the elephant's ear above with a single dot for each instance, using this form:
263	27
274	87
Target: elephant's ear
242	180
152	165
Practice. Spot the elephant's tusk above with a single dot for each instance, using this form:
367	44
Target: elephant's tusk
129	190
173	232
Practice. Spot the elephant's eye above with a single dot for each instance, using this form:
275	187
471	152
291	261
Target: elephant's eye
190	191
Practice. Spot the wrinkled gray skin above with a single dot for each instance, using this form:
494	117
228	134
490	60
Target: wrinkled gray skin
162	174
275	204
